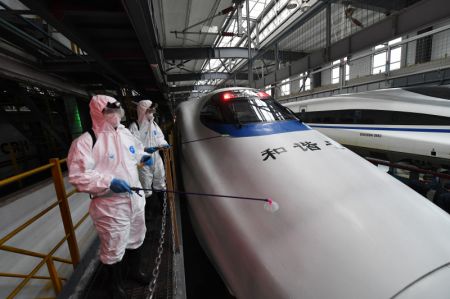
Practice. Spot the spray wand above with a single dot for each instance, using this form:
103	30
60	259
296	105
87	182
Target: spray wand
269	204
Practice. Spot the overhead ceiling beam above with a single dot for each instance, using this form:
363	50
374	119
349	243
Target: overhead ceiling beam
65	67
203	76
297	23
419	15
378	5
224	53
141	19
204	53
12	69
40	7
191	88
31	41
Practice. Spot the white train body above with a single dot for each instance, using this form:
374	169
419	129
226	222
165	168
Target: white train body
344	229
401	124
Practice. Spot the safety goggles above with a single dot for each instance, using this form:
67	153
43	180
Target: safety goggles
152	108
114	107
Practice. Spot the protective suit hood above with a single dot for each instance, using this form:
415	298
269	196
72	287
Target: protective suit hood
96	106
141	110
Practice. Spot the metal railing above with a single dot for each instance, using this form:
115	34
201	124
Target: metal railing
410	168
69	228
169	164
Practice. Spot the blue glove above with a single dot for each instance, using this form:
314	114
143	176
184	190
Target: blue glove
147	160
119	186
166	146
151	149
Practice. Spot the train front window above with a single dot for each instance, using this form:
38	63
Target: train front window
243	107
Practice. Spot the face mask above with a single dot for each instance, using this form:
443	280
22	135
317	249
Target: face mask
113	119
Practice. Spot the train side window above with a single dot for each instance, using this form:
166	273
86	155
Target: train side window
395	117
345	117
367	117
357	116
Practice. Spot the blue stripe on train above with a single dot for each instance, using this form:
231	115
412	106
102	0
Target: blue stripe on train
384	129
258	129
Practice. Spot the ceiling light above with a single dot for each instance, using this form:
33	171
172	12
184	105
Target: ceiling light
292	4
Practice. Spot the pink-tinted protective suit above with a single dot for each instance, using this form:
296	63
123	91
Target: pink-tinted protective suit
118	217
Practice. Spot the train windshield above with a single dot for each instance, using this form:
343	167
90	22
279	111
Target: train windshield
244	106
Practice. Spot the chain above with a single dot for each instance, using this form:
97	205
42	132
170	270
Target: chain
155	272
175	263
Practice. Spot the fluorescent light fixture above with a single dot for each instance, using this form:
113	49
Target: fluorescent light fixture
292	4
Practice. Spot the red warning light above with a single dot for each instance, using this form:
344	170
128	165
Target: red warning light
262	95
228	96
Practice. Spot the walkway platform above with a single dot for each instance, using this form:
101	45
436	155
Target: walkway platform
88	280
91	280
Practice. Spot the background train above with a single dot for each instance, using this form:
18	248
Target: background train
410	124
344	229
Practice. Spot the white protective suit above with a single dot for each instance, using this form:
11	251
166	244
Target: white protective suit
118	217
149	133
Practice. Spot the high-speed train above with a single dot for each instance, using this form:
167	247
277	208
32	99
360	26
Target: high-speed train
410	124
344	229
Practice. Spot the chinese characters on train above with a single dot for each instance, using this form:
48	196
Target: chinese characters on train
272	153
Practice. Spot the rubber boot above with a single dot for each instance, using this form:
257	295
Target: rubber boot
134	267
116	286
148	212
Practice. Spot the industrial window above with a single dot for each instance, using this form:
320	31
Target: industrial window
336	70
396	56
285	87
347	72
380	59
305	82
424	46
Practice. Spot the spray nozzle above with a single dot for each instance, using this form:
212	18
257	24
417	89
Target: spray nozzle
271	205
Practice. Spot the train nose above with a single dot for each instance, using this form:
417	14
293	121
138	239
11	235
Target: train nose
434	284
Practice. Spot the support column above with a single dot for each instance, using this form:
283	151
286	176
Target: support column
328	31
249	40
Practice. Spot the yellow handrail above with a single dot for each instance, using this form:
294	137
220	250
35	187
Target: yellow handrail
24	175
71	193
46	259
28	277
32	253
65	211
13	275
55	166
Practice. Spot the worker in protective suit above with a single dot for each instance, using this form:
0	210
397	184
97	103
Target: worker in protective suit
103	163
151	136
